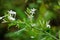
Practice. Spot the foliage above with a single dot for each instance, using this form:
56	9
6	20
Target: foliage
31	21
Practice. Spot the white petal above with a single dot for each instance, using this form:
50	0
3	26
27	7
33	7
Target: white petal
33	25
48	26
11	18
32	12
33	9
11	12
32	37
1	17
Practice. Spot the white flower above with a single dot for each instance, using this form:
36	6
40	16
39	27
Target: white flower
33	25
11	12
32	11
12	15
48	26
1	18
11	18
32	37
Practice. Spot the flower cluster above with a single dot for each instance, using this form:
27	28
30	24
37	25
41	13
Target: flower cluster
32	11
12	15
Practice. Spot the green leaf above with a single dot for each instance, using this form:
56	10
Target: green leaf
59	34
49	15
20	13
12	24
33	5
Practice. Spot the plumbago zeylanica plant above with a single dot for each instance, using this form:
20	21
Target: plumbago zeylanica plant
28	28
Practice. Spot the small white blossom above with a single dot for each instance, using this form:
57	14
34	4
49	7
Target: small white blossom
33	25
48	26
1	18
12	15
11	18
32	11
32	37
11	12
